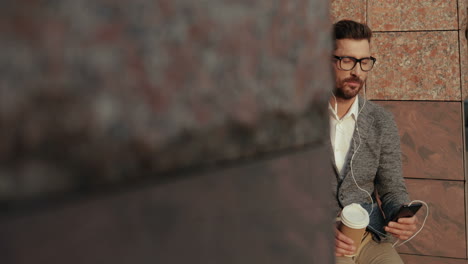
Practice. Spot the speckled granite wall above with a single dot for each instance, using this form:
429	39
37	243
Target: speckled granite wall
421	76
416	66
349	9
164	131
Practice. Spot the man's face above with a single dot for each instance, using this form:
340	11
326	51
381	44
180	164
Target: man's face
349	83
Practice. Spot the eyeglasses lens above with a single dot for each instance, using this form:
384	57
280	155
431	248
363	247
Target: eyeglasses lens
348	64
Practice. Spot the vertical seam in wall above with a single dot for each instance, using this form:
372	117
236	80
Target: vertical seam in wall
459	57
463	123
462	106
464	172
366	11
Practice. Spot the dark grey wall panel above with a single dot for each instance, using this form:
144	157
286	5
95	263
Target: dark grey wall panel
272	211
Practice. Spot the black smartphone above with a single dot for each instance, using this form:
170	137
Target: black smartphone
407	211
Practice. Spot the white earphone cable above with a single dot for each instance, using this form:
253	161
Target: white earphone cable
420	229
365	191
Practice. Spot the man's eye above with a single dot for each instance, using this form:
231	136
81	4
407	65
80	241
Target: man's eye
365	62
347	60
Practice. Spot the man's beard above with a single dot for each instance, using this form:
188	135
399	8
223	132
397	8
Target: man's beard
350	93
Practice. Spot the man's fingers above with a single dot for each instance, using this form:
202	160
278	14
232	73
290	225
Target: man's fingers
343	244
342	237
404	228
339	252
403	225
408	220
398	232
343	248
401	231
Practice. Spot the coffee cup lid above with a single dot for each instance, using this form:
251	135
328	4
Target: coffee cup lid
355	216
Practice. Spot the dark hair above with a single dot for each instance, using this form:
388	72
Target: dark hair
348	29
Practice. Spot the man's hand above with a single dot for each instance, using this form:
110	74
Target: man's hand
404	228
343	244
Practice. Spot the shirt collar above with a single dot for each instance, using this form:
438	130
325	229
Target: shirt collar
353	111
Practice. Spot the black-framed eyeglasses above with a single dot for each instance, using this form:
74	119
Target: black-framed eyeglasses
348	63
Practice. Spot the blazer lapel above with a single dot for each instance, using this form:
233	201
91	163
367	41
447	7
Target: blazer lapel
364	122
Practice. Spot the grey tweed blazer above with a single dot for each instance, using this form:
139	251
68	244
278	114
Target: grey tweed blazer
376	167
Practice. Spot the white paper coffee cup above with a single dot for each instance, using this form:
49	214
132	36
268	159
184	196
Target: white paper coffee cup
354	220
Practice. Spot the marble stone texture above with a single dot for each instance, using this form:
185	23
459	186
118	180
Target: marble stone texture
444	232
431	138
348	9
415	66
464	62
100	92
463	36
412	15
272	211
462	14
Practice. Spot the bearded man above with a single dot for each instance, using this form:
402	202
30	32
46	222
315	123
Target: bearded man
366	153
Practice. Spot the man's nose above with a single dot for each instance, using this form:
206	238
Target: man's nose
356	71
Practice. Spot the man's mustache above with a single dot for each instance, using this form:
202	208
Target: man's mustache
353	79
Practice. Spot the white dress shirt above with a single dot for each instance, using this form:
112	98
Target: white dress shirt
341	132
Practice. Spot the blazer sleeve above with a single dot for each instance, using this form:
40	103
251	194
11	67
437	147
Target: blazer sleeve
389	178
